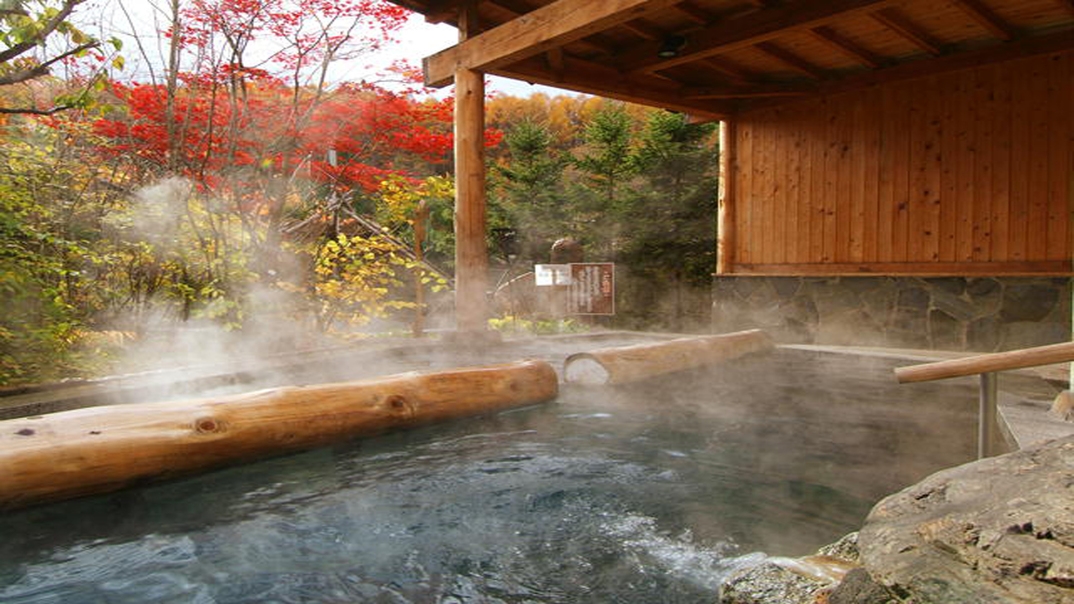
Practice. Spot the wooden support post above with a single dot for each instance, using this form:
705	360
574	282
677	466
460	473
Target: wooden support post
725	216
471	251
100	449
627	364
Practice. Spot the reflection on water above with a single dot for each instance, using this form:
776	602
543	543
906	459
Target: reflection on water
646	494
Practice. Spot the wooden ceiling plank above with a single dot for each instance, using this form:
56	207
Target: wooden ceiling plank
747	30
731	70
1060	41
899	23
739	92
1055	42
694	12
791	60
1067	4
535	32
988	19
850	48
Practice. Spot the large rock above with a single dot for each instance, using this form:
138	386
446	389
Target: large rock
999	530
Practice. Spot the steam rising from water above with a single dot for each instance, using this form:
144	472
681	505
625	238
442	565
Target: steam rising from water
652	493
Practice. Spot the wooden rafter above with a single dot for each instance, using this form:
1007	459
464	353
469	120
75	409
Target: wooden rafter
748	30
642	29
987	18
594	78
533	33
791	60
899	23
556	62
849	47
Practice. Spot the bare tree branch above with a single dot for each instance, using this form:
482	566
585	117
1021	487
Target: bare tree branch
43	68
34	110
50	26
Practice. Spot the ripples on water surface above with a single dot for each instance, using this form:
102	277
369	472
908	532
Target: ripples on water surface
640	495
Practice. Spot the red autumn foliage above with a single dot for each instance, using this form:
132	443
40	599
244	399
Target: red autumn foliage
228	123
373	132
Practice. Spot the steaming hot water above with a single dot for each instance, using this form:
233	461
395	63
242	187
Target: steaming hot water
649	493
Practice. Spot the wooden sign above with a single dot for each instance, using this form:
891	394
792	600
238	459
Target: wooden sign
592	288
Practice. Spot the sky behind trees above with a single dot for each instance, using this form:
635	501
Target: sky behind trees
141	21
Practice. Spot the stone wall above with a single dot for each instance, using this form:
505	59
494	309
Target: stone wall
980	314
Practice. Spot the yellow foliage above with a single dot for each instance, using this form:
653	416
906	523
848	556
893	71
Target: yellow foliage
399	197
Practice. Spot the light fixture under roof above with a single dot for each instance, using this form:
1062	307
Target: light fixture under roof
671	46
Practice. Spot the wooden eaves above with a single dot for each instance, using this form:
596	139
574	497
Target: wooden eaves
737	54
712	59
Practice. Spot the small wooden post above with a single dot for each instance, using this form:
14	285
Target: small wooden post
725	216
986	414
421	217
471	251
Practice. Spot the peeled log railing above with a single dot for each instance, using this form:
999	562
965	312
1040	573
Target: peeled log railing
626	364
986	365
100	449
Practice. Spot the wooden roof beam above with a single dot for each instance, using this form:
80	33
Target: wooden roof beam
899	23
593	78
533	33
988	19
642	29
791	60
748	30
849	47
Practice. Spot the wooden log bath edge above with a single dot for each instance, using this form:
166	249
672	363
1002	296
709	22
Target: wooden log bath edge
625	364
100	449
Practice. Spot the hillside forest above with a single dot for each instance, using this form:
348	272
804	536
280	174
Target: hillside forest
220	186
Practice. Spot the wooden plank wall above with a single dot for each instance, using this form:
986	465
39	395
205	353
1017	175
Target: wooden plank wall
970	172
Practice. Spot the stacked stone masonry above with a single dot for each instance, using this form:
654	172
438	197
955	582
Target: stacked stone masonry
982	314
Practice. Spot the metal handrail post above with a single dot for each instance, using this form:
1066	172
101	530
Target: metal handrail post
986	414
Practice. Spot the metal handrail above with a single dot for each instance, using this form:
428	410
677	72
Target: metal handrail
986	366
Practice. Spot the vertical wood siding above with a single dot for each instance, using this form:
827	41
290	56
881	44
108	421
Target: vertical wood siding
965	172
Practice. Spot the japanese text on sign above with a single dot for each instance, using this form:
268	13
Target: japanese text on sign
592	289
